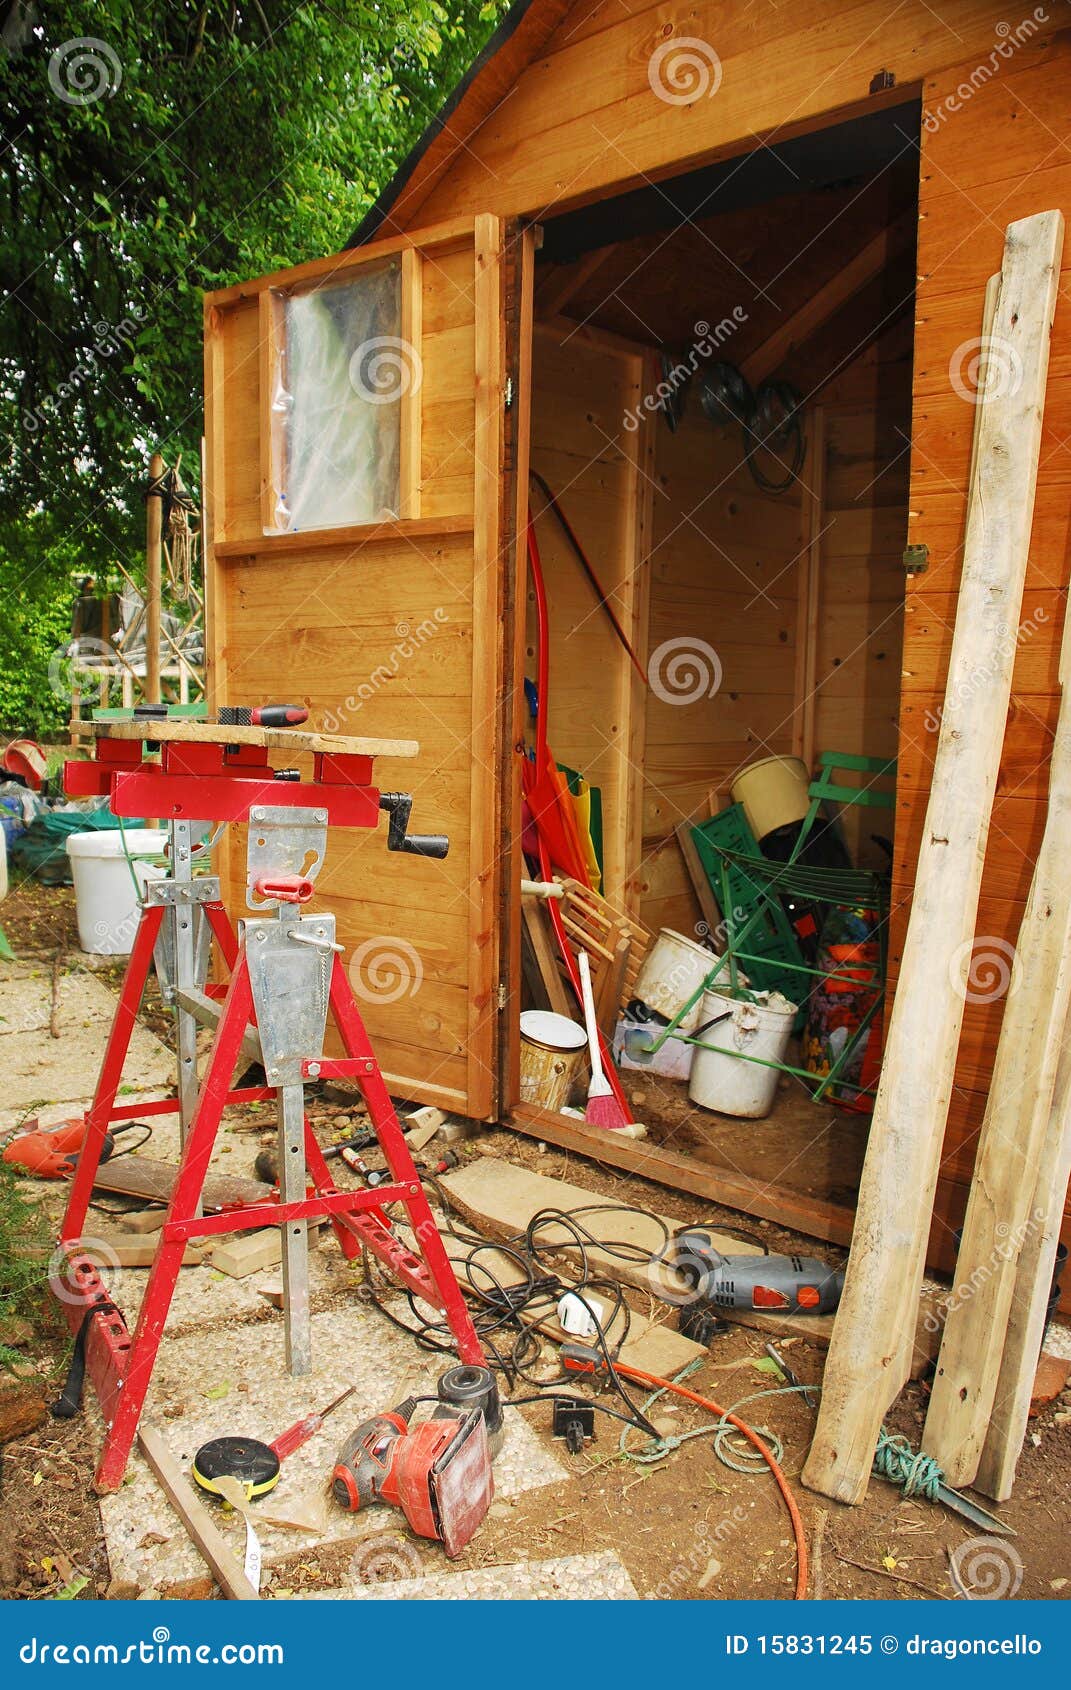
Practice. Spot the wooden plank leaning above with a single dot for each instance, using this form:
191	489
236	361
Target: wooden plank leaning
869	1351
1001	1208
1029	1306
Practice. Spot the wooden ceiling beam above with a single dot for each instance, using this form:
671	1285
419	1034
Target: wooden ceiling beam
562	281
817	309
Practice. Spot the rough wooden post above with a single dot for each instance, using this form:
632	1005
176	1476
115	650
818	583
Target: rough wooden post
1030	1299
865	1368
154	534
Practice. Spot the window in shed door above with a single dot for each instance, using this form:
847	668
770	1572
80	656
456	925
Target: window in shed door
340	372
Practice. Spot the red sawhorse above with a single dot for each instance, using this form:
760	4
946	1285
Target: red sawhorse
286	978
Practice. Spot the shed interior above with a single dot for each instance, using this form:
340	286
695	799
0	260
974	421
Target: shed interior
772	621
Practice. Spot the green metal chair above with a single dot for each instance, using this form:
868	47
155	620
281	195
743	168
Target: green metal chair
759	938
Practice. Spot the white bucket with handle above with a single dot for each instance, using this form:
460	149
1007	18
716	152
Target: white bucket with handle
673	970
720	1078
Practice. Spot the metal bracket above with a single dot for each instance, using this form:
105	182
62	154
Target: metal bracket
916	559
171	893
290	984
281	841
164	951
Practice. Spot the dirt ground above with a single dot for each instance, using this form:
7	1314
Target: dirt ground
685	1527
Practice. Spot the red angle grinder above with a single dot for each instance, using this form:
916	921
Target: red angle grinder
438	1472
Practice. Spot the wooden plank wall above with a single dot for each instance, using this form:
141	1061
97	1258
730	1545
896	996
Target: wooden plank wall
861	599
996	158
586	116
724	575
394	631
584	384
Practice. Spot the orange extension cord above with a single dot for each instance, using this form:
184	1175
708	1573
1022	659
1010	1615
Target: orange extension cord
802	1560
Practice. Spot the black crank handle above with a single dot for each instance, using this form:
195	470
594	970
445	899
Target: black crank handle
398	806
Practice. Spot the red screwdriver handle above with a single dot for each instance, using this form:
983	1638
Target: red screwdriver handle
278	715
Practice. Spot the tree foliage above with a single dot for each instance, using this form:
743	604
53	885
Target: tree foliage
185	145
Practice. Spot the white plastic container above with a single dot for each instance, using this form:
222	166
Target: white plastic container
673	969
719	1079
672	1061
103	889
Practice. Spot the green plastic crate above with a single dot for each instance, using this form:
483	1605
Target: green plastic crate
772	938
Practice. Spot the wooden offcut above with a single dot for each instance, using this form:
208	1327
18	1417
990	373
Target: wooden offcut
867	1356
206	1536
1001	1210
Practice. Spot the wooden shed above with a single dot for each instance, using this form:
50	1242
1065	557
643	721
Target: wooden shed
816	194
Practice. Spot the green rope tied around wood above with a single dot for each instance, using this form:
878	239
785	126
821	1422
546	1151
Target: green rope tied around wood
916	1474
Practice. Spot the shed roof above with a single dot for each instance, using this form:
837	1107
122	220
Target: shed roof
522	33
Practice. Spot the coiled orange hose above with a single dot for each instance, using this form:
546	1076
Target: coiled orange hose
802	1559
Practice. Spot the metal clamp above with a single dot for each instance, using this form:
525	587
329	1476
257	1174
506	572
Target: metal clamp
170	893
281	841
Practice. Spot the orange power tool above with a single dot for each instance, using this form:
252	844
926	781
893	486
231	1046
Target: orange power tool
51	1152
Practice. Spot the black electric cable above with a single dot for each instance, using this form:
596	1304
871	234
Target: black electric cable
536	1296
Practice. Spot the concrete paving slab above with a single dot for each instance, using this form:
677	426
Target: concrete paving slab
351	1346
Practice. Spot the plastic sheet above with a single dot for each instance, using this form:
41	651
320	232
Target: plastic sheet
340	374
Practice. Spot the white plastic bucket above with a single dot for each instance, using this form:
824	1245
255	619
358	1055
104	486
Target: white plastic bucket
552	1050
719	1079
673	970
774	792
103	889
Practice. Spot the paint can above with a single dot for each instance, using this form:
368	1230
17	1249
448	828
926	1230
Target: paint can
552	1051
673	970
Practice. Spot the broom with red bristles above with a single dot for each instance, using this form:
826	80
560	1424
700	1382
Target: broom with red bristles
603	1109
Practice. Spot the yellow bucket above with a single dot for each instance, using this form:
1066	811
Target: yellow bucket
773	793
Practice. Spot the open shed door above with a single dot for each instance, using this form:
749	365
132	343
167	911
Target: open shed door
360	548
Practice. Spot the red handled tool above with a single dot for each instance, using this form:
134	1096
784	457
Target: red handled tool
253	1463
263	715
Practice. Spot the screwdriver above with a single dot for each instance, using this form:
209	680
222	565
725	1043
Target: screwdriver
263	715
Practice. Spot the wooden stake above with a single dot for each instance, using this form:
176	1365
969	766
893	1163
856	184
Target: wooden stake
1000	1209
154	535
868	1352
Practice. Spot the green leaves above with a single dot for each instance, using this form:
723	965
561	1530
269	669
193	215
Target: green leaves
209	142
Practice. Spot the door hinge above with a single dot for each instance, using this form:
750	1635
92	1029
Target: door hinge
507	394
916	559
503	994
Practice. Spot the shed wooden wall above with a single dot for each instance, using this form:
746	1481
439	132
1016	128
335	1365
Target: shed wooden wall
997	158
584	383
863	534
724	573
584	117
